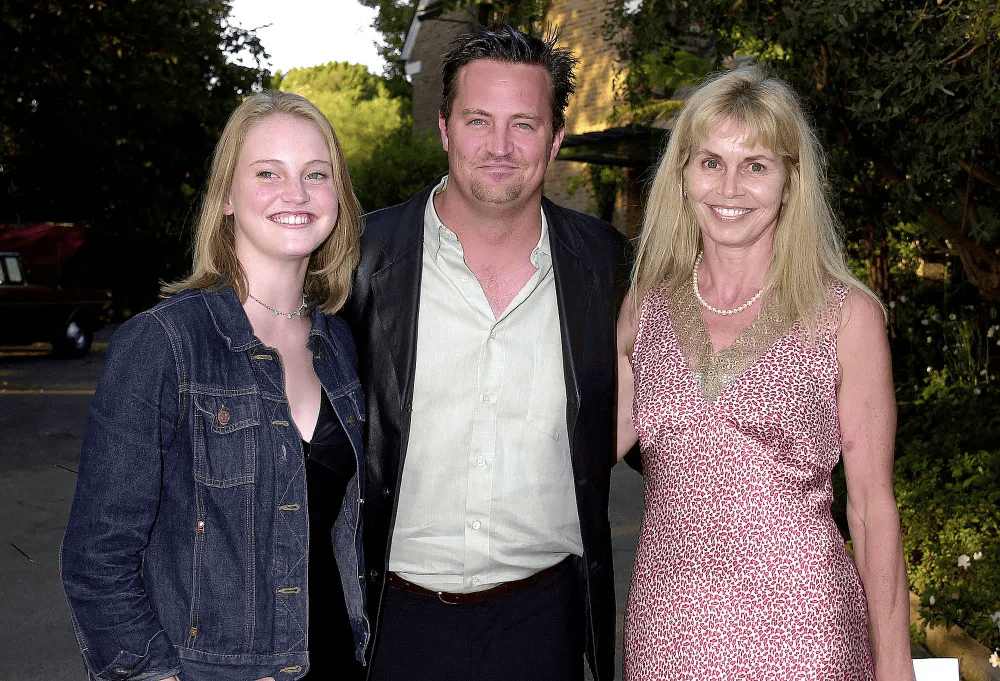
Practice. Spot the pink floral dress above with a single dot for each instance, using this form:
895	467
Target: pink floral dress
740	571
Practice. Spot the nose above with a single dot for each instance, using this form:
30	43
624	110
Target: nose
731	183
500	141
295	191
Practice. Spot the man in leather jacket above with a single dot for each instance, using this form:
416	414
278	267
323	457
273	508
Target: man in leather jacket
485	316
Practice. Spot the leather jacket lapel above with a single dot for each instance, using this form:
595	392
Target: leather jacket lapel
574	293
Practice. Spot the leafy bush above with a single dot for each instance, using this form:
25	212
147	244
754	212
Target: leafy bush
397	168
946	476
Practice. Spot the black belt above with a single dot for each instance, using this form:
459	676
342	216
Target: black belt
476	597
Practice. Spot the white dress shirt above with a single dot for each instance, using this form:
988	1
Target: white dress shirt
487	492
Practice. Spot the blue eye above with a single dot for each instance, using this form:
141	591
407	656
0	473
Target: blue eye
265	174
711	163
756	167
316	175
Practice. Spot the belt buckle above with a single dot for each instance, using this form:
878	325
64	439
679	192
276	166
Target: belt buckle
441	597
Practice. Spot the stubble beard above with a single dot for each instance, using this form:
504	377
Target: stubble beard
491	193
505	191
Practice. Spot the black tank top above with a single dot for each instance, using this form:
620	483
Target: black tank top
330	465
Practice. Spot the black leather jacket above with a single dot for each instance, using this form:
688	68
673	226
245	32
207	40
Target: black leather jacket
591	262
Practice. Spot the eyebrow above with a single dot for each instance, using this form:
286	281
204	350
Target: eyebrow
487	114
758	157
280	162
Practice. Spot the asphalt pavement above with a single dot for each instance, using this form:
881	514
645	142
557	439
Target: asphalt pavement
43	410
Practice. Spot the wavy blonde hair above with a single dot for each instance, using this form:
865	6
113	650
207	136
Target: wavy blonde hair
807	252
328	279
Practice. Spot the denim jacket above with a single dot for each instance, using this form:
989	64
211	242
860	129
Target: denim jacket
187	546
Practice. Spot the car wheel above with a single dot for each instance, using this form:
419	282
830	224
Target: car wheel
74	341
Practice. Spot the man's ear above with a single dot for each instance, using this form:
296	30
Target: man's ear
557	139
443	128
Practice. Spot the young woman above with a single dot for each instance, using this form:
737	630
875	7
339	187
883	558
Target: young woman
214	534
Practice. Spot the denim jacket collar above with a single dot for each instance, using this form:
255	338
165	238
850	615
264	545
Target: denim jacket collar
233	325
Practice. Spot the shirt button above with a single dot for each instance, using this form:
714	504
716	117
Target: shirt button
481	461
476	525
493	334
465	278
486	398
475	581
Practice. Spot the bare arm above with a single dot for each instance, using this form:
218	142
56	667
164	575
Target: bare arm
628	326
868	425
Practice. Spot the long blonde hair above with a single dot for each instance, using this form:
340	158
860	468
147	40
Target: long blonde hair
328	280
807	252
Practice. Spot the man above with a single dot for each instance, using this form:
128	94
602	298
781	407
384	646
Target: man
485	321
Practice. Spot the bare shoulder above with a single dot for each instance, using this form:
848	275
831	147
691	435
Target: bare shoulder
861	315
862	341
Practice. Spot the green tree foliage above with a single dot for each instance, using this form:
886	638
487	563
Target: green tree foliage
360	105
109	112
906	95
388	164
398	167
395	16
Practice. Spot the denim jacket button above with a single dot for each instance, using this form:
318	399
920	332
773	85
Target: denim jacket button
352	420
223	416
201	526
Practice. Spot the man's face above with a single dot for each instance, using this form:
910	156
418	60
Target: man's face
499	136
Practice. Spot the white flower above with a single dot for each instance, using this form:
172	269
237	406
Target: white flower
976	391
929	339
924	322
892	304
902	299
952	316
977	555
963	561
995	617
995	659
993	330
932	600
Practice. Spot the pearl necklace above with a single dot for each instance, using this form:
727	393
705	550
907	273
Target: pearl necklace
697	293
297	313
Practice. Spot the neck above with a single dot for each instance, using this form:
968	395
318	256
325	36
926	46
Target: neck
279	286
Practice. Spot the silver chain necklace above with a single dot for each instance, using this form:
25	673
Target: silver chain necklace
297	313
697	293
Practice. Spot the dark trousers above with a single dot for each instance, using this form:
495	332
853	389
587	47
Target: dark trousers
533	633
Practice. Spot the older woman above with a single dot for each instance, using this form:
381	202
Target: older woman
751	360
191	548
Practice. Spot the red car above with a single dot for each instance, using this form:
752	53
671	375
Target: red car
67	317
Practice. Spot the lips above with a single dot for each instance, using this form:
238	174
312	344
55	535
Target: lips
725	212
292	218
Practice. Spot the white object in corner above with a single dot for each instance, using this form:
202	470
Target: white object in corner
936	669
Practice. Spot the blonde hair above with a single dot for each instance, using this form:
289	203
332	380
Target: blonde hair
328	280
807	252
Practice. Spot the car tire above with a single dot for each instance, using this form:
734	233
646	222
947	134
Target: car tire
73	341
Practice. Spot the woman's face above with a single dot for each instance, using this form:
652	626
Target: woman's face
283	196
735	190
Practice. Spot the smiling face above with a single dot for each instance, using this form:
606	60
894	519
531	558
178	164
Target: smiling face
735	190
499	136
283	196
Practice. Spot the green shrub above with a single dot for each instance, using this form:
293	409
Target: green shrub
947	478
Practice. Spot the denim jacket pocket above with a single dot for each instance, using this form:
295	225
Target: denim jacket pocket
225	437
